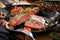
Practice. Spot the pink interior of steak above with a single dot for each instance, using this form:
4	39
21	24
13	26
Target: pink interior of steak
34	25
23	19
18	19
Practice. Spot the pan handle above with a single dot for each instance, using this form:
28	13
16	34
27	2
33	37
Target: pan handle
5	2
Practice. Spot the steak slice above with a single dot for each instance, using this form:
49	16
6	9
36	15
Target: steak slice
34	25
18	19
23	19
35	22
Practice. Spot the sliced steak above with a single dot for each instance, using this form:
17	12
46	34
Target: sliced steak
18	19
35	22
34	25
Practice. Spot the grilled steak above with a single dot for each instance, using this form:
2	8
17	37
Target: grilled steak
35	22
18	19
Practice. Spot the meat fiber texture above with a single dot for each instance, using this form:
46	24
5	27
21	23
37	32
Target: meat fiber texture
35	22
18	19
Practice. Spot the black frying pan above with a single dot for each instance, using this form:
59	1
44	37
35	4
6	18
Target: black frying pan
45	12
